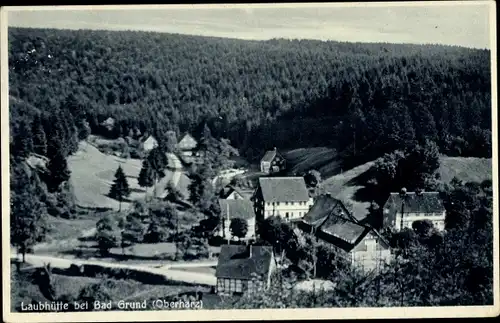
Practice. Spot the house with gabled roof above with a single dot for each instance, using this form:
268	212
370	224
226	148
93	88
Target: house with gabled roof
187	144
330	221
230	192
272	162
414	206
244	269
148	143
286	197
232	209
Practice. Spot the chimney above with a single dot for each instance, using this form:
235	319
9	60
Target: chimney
250	251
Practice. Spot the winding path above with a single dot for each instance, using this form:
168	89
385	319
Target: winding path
171	274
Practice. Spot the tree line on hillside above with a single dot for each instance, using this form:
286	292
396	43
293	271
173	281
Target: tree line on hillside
363	99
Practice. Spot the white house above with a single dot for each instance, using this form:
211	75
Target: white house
371	252
286	197
237	208
187	145
149	143
244	269
272	162
414	206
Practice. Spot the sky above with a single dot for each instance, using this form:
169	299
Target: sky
465	24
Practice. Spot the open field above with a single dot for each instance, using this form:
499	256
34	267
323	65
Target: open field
321	159
92	174
343	187
467	169
62	229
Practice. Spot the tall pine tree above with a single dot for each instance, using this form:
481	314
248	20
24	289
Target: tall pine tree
57	166
23	141
39	137
120	189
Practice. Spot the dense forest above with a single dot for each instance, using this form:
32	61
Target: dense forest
364	100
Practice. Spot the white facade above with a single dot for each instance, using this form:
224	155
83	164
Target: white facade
369	254
265	166
149	144
235	196
437	219
287	210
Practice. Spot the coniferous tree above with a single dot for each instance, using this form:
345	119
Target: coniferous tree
39	137
146	175
23	141
57	166
119	189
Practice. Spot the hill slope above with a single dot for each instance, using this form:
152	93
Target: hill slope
467	169
92	174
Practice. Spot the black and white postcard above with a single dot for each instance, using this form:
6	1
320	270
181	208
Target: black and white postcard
249	161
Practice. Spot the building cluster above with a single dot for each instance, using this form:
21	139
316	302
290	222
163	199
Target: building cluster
243	268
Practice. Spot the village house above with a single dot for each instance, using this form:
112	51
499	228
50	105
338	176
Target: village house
148	143
109	123
187	148
229	192
414	206
236	208
272	162
244	269
187	145
286	197
330	221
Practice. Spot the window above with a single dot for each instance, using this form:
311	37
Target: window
239	287
226	284
277	203
220	285
273	203
286	215
286	203
291	203
233	285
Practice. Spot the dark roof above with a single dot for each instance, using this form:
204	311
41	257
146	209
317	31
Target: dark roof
269	156
235	261
320	210
283	189
343	229
334	223
425	202
237	209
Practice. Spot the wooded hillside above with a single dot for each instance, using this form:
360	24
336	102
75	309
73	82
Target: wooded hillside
361	99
